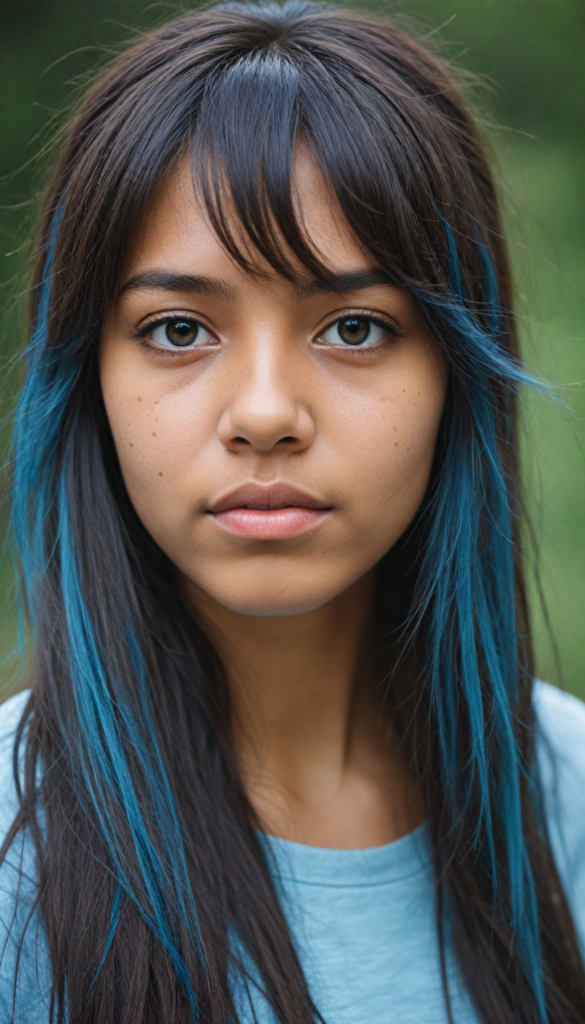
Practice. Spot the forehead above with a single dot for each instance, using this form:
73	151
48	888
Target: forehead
176	227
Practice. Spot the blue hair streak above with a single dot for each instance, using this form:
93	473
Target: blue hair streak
107	727
466	599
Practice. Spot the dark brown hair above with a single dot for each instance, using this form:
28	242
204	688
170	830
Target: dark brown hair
154	888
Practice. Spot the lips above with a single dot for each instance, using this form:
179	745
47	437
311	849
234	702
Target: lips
268	511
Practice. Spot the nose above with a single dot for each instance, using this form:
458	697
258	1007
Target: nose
267	409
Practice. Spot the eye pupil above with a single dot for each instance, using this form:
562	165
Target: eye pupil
354	330
181	332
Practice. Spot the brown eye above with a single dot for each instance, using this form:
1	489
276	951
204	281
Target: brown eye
180	333
354	330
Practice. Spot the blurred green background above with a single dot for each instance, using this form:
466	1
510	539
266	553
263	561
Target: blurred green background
529	54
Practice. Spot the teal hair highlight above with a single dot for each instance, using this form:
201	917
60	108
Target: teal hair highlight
156	878
464	602
466	598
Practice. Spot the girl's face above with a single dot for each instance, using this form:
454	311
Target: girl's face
275	439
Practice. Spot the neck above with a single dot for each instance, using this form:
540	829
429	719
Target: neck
318	756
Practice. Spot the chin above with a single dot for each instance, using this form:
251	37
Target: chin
270	594
266	604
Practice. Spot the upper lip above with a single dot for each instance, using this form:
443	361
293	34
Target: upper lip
267	496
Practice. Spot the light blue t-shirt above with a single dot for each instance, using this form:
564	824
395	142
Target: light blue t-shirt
362	920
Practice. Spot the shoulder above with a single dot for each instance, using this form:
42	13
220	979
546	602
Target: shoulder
561	718
23	952
561	760
17	863
561	749
11	712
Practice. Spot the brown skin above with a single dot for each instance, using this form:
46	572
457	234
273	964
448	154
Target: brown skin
268	398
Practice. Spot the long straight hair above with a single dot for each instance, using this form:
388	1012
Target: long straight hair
154	889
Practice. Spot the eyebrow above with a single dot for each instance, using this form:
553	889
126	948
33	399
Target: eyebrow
168	282
351	281
160	280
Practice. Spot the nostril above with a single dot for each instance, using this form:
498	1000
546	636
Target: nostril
286	440
241	440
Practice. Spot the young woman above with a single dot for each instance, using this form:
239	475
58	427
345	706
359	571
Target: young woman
282	758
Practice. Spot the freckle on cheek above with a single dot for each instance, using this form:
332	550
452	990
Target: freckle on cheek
153	434
160	474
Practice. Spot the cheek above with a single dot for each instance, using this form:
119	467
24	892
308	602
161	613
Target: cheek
157	434
388	454
141	439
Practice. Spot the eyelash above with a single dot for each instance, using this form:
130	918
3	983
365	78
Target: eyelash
141	336
390	326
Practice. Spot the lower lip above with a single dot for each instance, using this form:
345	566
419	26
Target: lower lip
269	524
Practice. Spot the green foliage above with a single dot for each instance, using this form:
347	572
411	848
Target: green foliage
529	54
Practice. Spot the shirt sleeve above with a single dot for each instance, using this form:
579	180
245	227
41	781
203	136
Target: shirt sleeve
561	758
